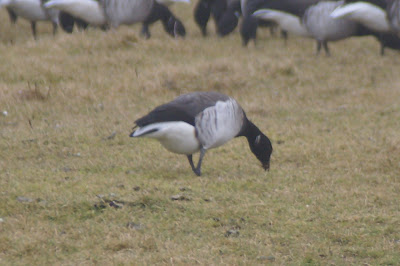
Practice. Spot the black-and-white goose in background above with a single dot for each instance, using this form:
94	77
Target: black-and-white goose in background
379	19
31	10
249	25
377	15
200	121
112	13
315	23
371	14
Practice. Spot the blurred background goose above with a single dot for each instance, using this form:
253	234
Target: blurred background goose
112	13
316	23
250	23
378	18
200	121
31	10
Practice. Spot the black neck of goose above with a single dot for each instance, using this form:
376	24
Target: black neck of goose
159	12
260	145
250	131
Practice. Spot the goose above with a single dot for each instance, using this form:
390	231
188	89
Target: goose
315	23
380	16
368	14
199	121
249	25
113	13
379	19
33	11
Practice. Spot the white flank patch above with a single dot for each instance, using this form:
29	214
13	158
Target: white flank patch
220	123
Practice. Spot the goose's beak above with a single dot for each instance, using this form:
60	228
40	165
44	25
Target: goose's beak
266	166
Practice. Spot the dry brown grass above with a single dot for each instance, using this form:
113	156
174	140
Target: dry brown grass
331	197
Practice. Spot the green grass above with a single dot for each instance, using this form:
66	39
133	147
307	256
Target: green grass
330	198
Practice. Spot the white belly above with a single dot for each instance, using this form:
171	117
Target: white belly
28	9
177	137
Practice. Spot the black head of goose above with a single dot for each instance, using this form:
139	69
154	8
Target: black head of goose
200	121
229	19
67	22
202	13
172	25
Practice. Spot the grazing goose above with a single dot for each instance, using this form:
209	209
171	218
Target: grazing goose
200	121
248	29
112	13
368	14
378	18
31	10
316	23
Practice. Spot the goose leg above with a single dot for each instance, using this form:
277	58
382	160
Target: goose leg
54	28
145	31
382	49
318	48
33	27
197	170
326	48
190	159
284	35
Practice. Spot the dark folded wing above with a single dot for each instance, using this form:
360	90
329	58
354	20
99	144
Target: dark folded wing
183	108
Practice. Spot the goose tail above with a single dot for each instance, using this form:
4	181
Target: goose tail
346	10
167	2
56	4
142	131
266	14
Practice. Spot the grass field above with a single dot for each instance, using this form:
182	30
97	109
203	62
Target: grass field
75	189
